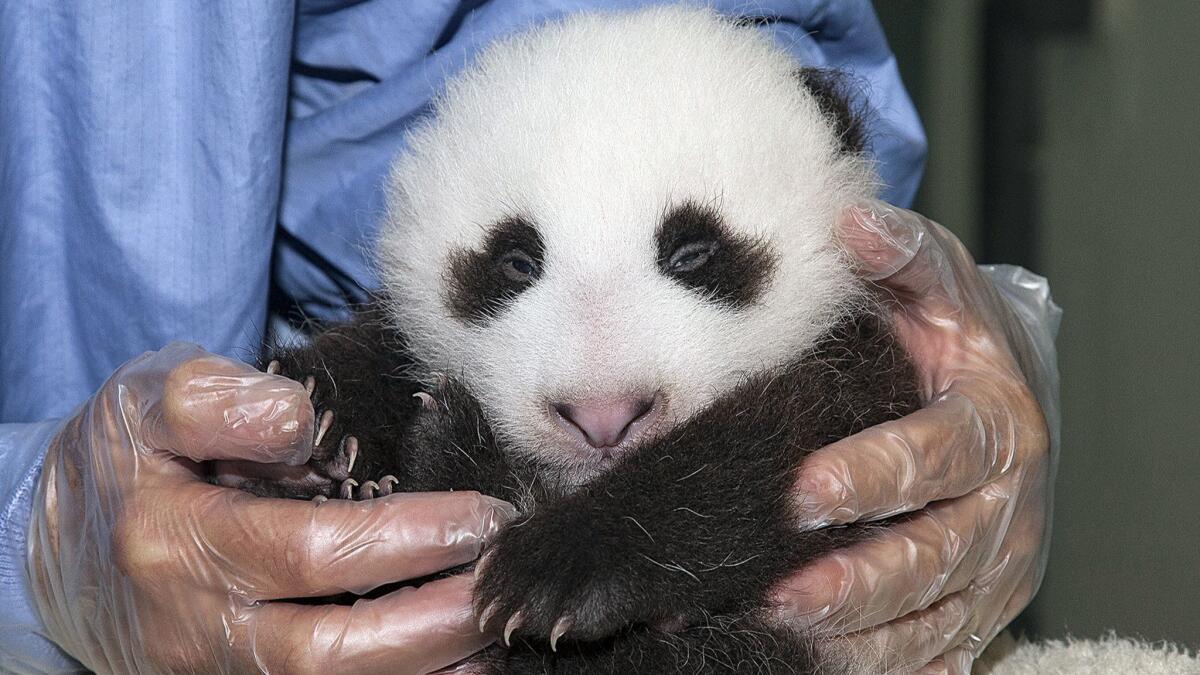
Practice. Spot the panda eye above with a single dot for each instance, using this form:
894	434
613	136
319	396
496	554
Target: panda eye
518	266
691	256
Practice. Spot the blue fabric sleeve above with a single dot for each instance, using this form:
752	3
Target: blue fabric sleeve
22	648
140	165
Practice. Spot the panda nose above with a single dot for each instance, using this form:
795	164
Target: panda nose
608	423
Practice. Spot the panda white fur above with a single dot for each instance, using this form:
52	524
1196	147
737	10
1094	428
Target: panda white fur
612	284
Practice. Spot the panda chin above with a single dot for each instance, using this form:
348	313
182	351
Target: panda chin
575	460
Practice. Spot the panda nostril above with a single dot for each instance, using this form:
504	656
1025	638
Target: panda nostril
642	408
607	423
564	414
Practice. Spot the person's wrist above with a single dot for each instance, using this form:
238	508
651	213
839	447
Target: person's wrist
23	645
19	491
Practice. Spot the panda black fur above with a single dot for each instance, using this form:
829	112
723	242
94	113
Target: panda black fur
618	207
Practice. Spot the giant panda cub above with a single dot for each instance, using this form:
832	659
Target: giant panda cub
613	295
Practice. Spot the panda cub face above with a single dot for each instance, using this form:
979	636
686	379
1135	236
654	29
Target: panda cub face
608	222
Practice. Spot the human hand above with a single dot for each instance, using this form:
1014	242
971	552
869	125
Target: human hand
139	565
975	465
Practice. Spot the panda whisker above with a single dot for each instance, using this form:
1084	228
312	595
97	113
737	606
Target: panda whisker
640	527
672	567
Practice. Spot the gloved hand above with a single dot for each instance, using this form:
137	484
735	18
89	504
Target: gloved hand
140	566
976	464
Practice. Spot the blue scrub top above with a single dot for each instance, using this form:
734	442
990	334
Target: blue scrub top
168	170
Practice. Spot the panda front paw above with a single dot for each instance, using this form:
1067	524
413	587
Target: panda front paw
553	577
335	452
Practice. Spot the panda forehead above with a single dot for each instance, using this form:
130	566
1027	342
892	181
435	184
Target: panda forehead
612	180
607	120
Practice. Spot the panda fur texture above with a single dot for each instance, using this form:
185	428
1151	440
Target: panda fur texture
613	295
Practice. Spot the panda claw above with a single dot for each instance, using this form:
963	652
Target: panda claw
350	447
273	367
386	483
326	422
427	401
370	490
348	485
485	616
514	622
560	628
310	385
482	565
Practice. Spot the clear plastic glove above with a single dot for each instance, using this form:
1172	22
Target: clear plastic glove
976	464
140	566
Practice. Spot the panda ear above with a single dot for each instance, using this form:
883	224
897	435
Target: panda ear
831	90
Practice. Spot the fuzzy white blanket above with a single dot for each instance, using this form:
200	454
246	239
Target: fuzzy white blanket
1112	654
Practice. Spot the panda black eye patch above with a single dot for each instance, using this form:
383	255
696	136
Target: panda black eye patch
698	250
482	282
